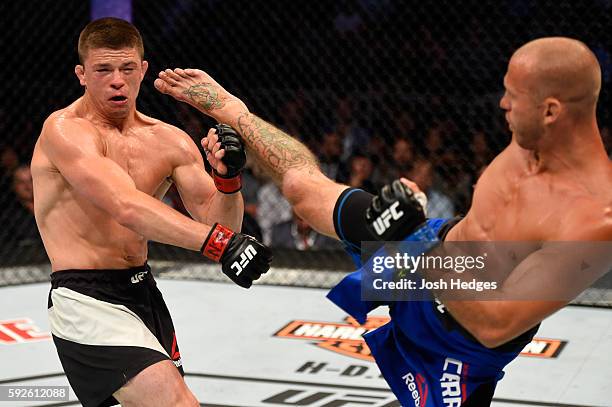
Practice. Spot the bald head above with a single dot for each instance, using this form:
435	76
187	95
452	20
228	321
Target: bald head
562	68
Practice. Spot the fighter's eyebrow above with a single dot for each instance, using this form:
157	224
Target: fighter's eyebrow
506	87
107	65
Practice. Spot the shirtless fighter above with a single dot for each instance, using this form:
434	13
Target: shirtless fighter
99	169
553	182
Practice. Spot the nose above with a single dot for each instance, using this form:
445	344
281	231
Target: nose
117	81
503	102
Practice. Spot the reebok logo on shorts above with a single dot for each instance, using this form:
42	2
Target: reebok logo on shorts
418	388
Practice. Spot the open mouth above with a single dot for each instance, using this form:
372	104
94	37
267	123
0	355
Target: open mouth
118	99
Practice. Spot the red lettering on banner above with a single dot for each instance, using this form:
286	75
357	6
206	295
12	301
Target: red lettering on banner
20	330
4	338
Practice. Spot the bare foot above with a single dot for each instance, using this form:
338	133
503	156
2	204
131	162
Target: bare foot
198	89
418	194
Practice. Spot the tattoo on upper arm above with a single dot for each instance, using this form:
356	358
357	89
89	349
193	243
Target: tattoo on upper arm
277	150
205	96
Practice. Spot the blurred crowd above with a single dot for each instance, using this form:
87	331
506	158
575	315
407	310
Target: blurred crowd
378	89
444	159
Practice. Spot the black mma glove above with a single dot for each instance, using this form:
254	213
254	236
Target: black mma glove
395	212
243	259
234	159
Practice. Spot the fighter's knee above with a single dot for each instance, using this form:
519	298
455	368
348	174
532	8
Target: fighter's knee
295	187
182	396
187	400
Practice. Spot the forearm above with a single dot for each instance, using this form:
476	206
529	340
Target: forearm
288	162
158	222
227	209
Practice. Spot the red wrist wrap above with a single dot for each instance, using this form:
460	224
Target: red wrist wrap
228	185
215	244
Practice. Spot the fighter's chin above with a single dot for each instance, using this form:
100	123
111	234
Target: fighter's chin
523	142
118	114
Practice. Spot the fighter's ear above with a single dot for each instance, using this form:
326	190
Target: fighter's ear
79	70
145	66
552	110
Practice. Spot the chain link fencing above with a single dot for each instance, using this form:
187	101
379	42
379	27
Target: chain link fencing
377	88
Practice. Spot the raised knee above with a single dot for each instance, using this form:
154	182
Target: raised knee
188	400
183	397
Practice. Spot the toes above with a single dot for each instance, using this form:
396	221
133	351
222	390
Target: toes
163	75
181	72
192	72
160	85
172	75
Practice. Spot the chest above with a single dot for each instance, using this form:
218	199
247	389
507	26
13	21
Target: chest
141	157
516	207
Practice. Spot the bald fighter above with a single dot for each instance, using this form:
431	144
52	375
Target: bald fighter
553	182
99	169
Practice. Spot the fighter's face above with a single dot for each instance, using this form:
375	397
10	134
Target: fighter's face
112	78
522	110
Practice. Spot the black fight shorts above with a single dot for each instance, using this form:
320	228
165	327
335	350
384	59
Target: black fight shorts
107	326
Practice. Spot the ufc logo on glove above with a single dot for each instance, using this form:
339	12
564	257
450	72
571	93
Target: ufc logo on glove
382	223
245	258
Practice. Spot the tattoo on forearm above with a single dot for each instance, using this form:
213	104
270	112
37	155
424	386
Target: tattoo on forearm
275	149
205	96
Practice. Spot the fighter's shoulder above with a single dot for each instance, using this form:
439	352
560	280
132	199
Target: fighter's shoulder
176	142
64	124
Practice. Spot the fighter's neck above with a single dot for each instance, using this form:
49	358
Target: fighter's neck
567	152
88	109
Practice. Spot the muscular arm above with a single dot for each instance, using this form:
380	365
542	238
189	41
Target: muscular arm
73	147
294	169
290	164
199	193
541	284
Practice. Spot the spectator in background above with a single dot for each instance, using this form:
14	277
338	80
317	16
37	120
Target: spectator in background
434	142
22	187
297	234
251	183
353	136
379	152
18	226
292	115
272	209
403	123
360	173
329	155
9	161
480	149
191	122
403	154
439	205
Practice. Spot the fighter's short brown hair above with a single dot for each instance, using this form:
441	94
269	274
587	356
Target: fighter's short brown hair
109	32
